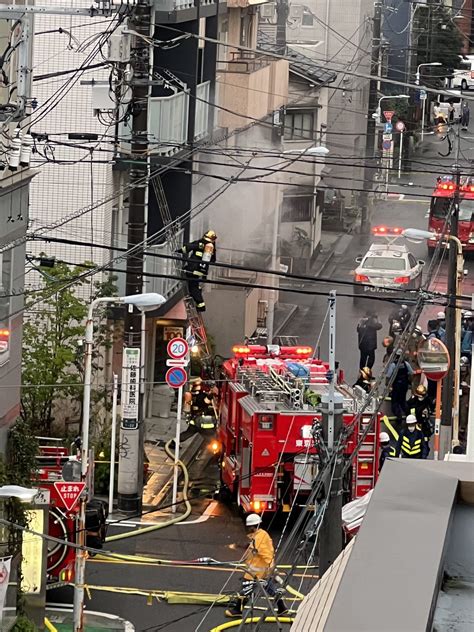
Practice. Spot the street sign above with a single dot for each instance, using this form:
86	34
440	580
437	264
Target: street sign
387	137
388	114
176	377
174	362
400	126
388	128
177	348
423	95
387	145
130	382
69	493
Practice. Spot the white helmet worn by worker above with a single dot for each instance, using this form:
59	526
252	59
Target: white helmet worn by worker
411	420
440	315
383	437
253	520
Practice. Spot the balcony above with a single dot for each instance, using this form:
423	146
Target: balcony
168	123
203	93
252	85
157	265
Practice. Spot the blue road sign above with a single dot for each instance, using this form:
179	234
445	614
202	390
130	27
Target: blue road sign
176	377
387	145
388	128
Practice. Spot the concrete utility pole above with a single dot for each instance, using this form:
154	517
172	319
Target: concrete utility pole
130	476
283	11
373	100
330	544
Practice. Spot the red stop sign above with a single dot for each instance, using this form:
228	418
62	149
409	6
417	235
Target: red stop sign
433	359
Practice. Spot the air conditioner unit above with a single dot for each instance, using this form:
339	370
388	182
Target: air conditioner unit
296	11
268	10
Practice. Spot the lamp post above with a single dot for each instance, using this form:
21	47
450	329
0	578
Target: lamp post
144	302
378	112
423	101
417	235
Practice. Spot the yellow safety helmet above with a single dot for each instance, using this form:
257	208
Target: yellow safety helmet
210	235
196	384
421	390
366	373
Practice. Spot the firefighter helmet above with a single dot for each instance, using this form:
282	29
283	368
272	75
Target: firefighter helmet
196	384
384	438
366	373
210	235
387	341
420	390
253	520
411	420
440	316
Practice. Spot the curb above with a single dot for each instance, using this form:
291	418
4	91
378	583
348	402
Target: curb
187	455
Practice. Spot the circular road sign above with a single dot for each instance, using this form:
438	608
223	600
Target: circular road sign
176	377
433	358
177	348
400	126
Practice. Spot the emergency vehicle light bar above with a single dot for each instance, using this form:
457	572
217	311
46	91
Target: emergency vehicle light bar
387	230
272	351
4	333
467	188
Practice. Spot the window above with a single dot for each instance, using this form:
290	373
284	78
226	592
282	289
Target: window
297	208
307	19
300	125
384	263
411	260
5	303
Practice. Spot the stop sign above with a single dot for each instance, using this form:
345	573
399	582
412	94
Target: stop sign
433	359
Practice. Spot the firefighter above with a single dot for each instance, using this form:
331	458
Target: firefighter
400	385
199	254
386	450
388	343
365	379
421	405
202	416
259	560
400	315
412	443
413	345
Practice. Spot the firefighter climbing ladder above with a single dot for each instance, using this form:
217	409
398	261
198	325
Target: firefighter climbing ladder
172	228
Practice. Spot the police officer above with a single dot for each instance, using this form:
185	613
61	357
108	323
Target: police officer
402	376
367	338
421	405
386	450
412	443
400	315
199	254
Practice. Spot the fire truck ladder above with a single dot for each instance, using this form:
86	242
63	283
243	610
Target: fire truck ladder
365	463
172	228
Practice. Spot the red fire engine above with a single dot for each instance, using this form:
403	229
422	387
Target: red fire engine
440	205
53	460
268	405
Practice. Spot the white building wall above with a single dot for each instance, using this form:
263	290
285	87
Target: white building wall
62	189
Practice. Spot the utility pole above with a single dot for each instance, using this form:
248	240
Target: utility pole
371	121
282	11
130	476
331	544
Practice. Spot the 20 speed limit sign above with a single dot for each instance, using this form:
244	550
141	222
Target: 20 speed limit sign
177	348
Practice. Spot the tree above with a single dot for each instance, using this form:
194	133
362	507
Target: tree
52	355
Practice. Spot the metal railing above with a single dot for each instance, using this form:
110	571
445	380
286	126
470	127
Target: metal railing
168	123
203	92
156	265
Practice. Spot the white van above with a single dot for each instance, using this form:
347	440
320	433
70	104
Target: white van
463	77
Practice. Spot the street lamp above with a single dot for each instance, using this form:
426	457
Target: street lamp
144	302
423	101
378	112
417	235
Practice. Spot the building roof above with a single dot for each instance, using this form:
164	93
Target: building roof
300	64
399	555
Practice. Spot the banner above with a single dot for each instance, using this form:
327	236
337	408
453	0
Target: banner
5	565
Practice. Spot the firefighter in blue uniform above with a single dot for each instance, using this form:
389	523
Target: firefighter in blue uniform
412	443
386	450
199	255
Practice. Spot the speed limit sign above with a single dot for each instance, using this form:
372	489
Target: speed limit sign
177	348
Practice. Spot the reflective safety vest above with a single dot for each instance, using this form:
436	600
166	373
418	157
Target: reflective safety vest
412	445
199	256
203	422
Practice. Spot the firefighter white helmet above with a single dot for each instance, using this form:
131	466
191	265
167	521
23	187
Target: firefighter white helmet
383	437
411	420
253	520
440	315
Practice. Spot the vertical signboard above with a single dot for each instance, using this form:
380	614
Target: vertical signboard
130	387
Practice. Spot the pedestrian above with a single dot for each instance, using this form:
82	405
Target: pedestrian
451	113
365	379
401	372
422	406
386	450
367	335
199	255
259	561
465	115
411	444
436	112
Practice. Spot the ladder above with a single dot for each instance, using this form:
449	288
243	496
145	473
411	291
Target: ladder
172	228
365	464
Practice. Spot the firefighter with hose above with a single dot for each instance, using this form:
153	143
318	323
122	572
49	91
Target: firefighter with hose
202	413
199	255
259	561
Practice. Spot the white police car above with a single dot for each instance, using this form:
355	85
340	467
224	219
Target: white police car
387	268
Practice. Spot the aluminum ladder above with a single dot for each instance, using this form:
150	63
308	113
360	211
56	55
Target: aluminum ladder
194	317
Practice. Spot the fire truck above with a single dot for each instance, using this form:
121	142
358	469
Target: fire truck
441	201
269	398
55	463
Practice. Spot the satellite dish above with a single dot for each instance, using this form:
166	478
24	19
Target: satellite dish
71	471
